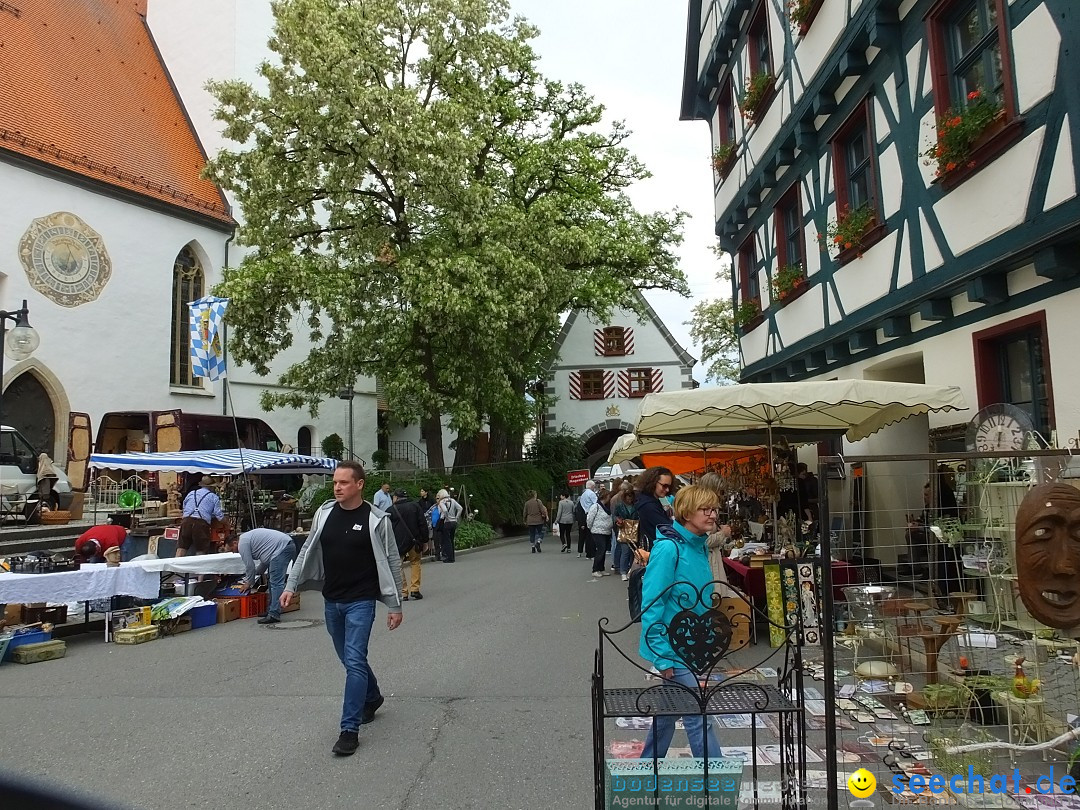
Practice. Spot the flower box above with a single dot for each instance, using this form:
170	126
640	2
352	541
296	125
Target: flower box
760	89
961	132
801	13
850	233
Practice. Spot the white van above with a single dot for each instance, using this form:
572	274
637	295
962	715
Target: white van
19	493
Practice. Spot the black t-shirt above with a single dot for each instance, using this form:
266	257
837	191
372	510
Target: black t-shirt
348	558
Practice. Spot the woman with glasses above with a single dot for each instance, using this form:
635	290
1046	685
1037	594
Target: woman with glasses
677	578
652	485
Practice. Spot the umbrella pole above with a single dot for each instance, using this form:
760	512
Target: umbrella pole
776	500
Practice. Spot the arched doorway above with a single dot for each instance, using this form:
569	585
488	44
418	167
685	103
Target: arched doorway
29	409
600	438
303	441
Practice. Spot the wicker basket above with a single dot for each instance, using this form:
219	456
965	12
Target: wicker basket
56	517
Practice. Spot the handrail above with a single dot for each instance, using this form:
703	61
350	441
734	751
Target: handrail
403	450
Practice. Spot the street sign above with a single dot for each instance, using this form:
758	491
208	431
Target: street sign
577	478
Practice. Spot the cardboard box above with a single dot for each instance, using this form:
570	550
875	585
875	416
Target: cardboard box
228	610
136	635
78	503
13	614
42	651
293	605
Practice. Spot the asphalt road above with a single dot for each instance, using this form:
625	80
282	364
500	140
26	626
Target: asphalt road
487	702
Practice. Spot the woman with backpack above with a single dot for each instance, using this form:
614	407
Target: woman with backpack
599	521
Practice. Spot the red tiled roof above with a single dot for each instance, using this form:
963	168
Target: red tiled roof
83	88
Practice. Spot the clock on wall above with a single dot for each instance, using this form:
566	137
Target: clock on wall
65	259
999	427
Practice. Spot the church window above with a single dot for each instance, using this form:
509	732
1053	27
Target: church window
188	285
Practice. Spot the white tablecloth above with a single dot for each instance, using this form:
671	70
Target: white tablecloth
79	586
227	563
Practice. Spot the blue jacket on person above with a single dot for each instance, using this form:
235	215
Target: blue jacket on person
651	516
678	561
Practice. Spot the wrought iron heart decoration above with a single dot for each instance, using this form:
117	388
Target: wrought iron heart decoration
700	640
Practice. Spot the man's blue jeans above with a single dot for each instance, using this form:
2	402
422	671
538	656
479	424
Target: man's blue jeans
536	534
663	729
349	625
279	570
623	557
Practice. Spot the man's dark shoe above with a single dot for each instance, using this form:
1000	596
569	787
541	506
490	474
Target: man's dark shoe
370	709
417	595
269	620
347	743
405	598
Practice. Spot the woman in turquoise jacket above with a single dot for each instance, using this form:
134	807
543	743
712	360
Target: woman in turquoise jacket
678	572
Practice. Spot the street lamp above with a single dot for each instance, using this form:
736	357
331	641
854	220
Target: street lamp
348	394
19	343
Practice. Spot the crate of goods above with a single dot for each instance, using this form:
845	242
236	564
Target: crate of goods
21	639
252	605
677	782
136	635
203	616
227	610
42	651
56	614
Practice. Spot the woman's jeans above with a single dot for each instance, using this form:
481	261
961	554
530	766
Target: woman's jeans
536	534
622	557
599	544
349	625
663	729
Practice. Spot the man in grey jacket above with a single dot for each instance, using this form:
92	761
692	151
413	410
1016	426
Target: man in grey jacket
352	552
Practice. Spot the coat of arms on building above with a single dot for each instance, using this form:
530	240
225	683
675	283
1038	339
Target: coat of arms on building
613	410
65	259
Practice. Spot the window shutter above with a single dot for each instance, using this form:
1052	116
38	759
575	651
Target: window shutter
624	384
609	385
657	380
575	385
599	344
628	339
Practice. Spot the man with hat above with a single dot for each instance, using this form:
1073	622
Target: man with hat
201	507
410	533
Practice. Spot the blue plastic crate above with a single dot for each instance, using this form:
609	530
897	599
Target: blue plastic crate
25	638
203	616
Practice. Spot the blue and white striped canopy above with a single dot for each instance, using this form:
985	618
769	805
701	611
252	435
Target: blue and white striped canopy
213	462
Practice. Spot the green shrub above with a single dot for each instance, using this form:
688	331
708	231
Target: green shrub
473	533
333	446
379	459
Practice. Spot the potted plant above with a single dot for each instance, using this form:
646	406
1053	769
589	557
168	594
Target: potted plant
722	158
958	132
801	12
983	709
380	458
757	92
788	279
746	311
846	232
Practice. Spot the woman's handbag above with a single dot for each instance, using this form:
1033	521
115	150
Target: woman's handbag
628	531
637	574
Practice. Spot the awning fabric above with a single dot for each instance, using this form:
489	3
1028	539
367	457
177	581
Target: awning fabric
213	462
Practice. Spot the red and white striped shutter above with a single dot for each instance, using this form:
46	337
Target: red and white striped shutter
599	344
624	384
609	385
657	384
575	385
628	339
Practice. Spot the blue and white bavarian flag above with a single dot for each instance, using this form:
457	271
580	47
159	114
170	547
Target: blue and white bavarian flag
207	320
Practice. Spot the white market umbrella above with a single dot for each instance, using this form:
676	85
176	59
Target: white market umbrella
853	408
629	446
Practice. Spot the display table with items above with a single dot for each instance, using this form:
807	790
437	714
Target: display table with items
751	578
92	581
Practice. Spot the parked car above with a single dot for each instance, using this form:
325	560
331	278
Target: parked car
19	490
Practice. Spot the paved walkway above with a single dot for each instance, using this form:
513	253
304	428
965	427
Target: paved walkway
487	685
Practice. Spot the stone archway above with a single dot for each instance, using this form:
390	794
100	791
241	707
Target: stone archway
36	403
600	438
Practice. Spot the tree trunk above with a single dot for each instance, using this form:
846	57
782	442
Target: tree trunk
464	454
497	439
431	430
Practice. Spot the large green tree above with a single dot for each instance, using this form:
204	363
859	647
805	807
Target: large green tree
712	326
429	204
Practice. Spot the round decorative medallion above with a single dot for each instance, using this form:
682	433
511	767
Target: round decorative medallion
65	259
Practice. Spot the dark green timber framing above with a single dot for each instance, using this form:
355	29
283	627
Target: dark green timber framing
1049	239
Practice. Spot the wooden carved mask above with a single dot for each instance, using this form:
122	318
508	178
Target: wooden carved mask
1048	554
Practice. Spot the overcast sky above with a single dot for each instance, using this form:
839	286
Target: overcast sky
629	55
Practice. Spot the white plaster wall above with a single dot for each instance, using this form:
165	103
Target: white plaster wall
864	280
1062	184
976	211
802	317
1035	45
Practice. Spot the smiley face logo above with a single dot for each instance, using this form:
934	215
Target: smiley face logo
861	783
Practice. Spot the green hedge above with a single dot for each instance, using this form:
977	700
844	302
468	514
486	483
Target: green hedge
473	533
496	494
